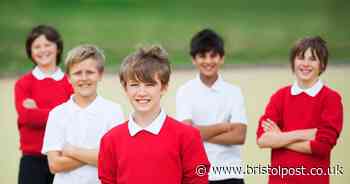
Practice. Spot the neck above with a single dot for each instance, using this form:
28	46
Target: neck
48	69
144	119
307	84
82	101
208	81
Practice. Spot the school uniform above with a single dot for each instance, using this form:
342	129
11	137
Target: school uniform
70	124
47	91
293	108
222	102
163	152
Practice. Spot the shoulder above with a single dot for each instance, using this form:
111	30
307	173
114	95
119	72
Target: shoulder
233	89
116	131
108	104
282	91
331	94
187	86
25	79
60	110
181	129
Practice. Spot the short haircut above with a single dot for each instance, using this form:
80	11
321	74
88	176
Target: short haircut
207	41
318	47
83	52
51	34
145	64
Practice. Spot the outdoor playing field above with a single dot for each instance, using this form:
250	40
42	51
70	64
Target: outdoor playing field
257	83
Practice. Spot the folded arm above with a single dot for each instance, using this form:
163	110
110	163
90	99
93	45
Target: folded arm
59	163
273	137
209	131
236	135
87	156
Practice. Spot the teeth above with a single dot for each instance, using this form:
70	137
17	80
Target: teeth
143	101
305	71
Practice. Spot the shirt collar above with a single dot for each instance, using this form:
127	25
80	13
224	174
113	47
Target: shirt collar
217	86
313	91
92	108
153	128
40	75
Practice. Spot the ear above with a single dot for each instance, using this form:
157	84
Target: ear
194	61
164	89
100	73
222	60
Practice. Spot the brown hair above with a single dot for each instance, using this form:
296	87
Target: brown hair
144	64
318	48
51	34
83	52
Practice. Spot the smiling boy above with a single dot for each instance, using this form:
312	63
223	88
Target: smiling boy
150	147
215	107
303	121
74	129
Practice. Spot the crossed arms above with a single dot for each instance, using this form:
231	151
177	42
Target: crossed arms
224	133
70	158
297	140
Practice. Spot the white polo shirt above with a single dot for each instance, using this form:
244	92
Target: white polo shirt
83	127
222	102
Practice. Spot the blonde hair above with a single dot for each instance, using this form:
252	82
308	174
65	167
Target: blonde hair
83	52
145	64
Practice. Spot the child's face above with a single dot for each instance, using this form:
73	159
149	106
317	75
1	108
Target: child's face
145	97
84	77
44	52
208	64
307	68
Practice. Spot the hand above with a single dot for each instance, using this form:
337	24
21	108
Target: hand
29	103
68	150
270	126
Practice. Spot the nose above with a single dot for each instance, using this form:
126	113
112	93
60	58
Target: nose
84	76
141	90
206	60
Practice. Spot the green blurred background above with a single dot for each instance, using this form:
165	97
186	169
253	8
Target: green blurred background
256	32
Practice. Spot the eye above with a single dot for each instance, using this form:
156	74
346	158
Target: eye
35	47
133	84
299	57
201	55
90	72
149	84
214	55
77	73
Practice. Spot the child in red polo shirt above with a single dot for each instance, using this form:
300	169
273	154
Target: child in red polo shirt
150	147
36	93
302	121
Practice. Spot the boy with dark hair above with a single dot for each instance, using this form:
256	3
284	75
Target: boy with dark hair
150	147
214	106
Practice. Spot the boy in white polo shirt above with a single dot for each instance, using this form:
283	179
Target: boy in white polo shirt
215	107
74	129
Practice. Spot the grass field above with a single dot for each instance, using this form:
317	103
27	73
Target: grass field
257	83
255	31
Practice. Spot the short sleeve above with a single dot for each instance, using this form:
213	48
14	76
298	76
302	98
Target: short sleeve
117	117
183	106
54	132
238	112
